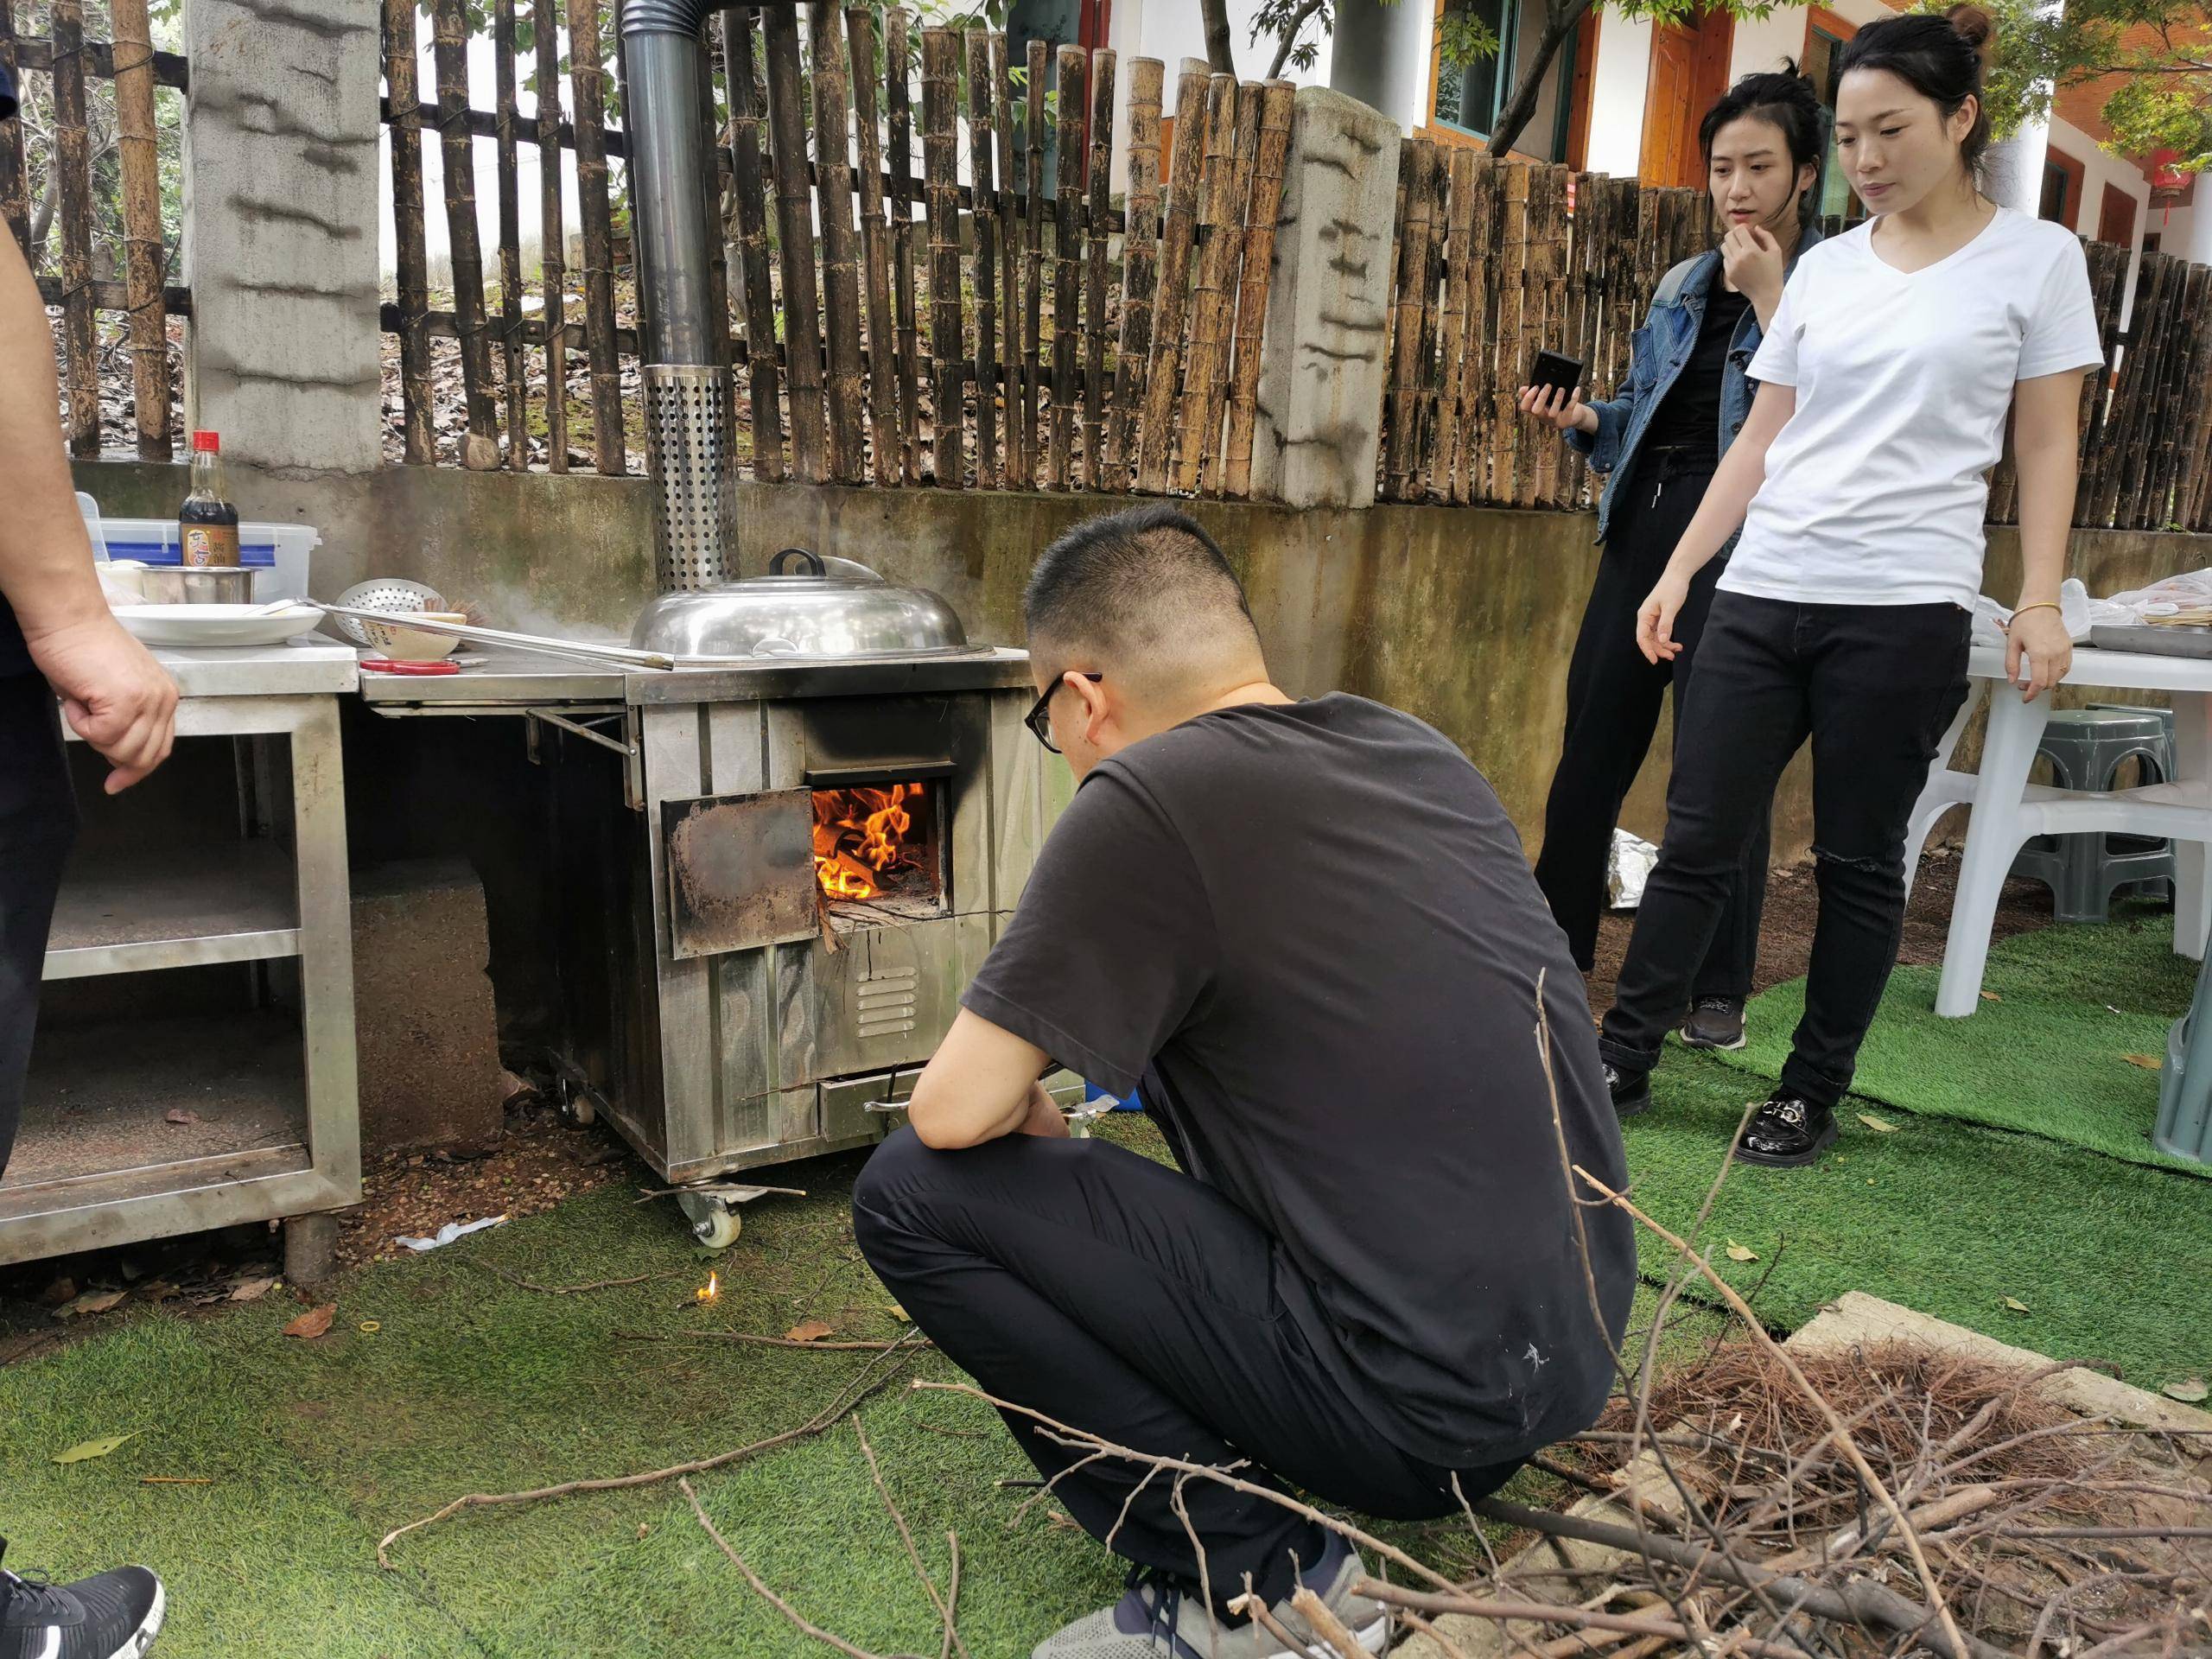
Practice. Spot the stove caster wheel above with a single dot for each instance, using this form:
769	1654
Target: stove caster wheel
715	1222
574	1104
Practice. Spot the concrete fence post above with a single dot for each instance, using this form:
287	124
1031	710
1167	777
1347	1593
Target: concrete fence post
1322	371
280	211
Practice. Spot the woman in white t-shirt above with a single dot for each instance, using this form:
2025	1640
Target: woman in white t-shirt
1860	482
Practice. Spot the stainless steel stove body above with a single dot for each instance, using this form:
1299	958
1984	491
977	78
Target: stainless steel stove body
718	1004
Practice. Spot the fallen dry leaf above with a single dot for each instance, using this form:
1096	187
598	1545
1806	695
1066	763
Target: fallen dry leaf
1880	1126
178	1115
253	1290
1741	1253
2015	1304
1991	996
2148	1062
87	1450
93	1302
899	1313
807	1331
2188	1390
313	1323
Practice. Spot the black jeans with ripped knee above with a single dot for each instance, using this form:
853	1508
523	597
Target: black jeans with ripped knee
1872	687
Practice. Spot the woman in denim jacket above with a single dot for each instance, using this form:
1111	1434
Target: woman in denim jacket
1658	442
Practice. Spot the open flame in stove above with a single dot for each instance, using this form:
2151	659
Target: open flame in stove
860	838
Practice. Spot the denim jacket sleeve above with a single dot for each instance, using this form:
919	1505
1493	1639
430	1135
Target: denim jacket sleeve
1604	448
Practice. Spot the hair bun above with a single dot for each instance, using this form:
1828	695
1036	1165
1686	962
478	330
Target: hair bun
1973	26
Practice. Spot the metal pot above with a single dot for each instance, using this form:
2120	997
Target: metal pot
198	584
834	608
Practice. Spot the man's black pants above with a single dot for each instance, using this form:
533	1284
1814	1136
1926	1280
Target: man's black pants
1874	687
38	819
1613	709
1125	1298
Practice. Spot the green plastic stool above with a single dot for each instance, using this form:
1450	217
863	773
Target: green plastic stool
2085	748
2185	1125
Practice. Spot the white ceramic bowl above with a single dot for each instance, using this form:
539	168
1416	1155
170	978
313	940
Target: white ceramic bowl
402	644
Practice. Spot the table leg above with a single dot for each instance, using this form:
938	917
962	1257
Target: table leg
2192	765
1936	796
1993	837
326	943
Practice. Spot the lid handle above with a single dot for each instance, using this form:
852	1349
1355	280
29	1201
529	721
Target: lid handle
815	567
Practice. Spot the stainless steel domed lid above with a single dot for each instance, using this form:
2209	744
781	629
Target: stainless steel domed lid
830	607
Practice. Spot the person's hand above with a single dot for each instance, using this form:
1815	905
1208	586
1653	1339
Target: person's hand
115	695
2040	636
1563	409
1654	621
1755	263
1045	1117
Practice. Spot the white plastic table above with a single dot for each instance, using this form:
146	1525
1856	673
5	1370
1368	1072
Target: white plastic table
2007	809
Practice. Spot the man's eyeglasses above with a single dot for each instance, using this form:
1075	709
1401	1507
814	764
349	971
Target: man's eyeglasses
1039	720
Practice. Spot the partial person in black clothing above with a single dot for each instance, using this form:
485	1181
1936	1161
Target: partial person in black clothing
1308	929
57	637
1658	442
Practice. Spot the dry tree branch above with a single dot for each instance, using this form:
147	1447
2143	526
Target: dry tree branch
851	1347
797	1620
872	1377
1253	1608
952	1593
1941	1610
1541	1613
905	1537
521	1283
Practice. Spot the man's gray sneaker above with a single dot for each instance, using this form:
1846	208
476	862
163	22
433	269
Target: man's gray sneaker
1156	1619
1715	1022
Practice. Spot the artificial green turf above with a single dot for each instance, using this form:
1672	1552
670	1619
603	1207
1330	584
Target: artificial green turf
2048	1056
2111	1258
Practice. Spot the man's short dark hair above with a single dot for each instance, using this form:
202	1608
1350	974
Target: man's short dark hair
1143	583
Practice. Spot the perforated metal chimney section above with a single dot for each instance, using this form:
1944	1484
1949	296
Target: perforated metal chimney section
687	402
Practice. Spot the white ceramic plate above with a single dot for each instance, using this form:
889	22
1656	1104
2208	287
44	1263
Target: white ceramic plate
189	625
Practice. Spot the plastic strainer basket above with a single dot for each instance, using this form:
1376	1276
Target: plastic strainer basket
393	596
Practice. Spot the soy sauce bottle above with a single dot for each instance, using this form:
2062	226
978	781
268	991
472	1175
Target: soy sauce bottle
207	524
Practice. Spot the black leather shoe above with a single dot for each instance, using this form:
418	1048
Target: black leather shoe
1787	1133
1715	1022
1631	1091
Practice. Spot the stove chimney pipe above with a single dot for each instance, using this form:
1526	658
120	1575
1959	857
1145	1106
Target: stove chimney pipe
688	395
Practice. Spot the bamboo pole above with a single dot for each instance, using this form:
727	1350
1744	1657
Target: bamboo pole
841	275
15	186
1509	270
449	35
1471	467
1546	276
1067	272
587	87
899	108
742	73
2197	442
1276	101
142	225
72	171
1402	459
420	435
1428	394
941	185
795	236
721	338
1245	147
1021	462
875	247
1139	266
553	253
503	69
1156	435
1093	305
981	154
1032	237
1206	380
1459	237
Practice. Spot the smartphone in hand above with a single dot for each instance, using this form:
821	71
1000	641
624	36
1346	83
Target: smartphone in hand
1555	369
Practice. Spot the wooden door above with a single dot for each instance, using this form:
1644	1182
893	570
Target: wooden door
1689	71
2116	217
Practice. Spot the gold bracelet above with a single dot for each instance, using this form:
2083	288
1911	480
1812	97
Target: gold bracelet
2040	605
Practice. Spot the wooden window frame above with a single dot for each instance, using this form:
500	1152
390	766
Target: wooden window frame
2077	176
1450	133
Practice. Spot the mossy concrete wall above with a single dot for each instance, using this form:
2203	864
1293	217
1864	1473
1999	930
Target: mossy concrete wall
1463	616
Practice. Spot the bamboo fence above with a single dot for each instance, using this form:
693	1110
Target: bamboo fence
144	298
910	299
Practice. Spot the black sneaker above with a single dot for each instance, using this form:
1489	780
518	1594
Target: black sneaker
112	1616
1786	1133
1714	1022
1631	1091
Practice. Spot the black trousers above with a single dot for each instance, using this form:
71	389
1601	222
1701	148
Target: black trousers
1613	709
1874	687
1134	1302
38	820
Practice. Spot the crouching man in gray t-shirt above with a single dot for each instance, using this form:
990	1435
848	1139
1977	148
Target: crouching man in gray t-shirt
1306	932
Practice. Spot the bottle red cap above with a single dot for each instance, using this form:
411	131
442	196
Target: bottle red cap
208	441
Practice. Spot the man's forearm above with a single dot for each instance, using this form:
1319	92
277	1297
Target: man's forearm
45	561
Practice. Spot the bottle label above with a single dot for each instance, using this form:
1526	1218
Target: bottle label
209	544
